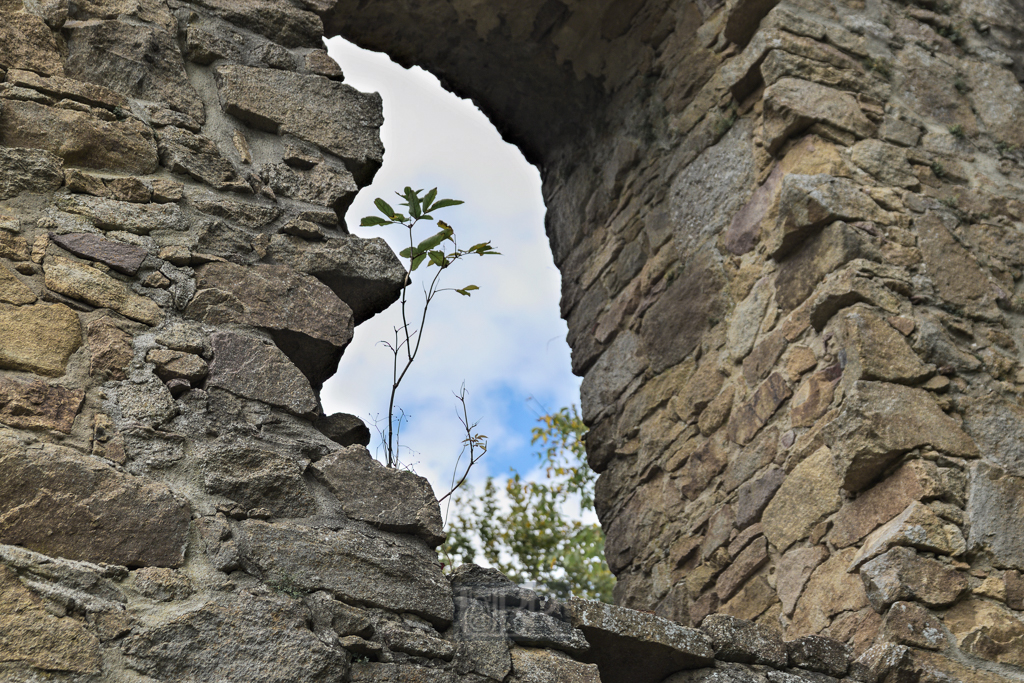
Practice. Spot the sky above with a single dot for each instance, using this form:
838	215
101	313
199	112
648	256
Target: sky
506	341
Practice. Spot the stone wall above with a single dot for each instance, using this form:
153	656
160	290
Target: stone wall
790	239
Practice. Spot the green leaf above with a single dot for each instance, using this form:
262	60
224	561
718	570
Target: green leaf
413	202
417	261
431	196
407	252
373	220
444	203
437	258
384	208
433	241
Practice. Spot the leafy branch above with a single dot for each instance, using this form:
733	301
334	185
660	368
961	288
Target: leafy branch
439	251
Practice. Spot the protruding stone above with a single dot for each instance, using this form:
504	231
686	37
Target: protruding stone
530	665
636	646
38	338
309	323
286	24
916	527
830	591
354	563
258	478
258	370
876	351
344	429
996	515
80	138
813	398
816	653
324	184
881	421
736	640
792	513
792	105
958	278
753	496
391	499
885	162
110	349
138	219
821	254
29	44
335	117
266	637
177	365
124	258
794	570
13	290
748	419
907	623
61	503
88	284
900	574
186	153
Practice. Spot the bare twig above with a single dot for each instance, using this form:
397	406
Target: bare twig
472	443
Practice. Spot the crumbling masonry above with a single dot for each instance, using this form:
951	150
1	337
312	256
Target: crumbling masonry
791	236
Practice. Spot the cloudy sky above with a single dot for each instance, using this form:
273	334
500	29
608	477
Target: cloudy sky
506	342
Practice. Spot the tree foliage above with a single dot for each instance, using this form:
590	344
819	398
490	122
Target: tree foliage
531	533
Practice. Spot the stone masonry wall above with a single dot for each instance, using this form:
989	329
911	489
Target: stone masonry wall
790	237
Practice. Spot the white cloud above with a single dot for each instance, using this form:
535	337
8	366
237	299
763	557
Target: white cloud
507	341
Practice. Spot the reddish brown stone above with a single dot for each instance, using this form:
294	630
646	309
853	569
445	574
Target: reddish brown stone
36	405
59	502
742	568
110	349
748	419
124	258
700	468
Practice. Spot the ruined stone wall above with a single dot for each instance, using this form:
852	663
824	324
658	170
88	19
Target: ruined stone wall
790	238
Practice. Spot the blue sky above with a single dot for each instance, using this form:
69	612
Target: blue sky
506	342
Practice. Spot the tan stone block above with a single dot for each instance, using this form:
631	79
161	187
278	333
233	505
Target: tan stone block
717	412
14	247
13	290
38	338
812	399
916	527
749	418
875	350
830	591
751	601
794	570
110	349
792	106
36	405
808	494
29	634
988	630
29	44
88	284
799	360
957	276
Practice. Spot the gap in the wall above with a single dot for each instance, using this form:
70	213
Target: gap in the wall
507	341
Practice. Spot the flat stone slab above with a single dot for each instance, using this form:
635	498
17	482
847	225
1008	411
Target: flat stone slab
628	645
124	258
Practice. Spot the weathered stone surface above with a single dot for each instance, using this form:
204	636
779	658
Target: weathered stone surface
792	513
885	162
79	138
704	197
762	359
13	247
135	60
879	422
605	381
540	666
746	421
701	467
138	219
344	429
60	87
736	640
746	320
794	570
38	338
59	502
391	499
907	623
309	323
124	258
673	326
528	628
831	590
29	44
915	480
364	273
801	271
753	496
36	405
177	365
258	639
742	568
792	105
31	635
809	202
916	527
997	426
998	99
162	584
813	398
816	653
92	286
110	349
283	23
324	184
13	290
875	350
988	630
258	370
995	514
900	574
197	156
698	391
258	478
630	645
482	646
1014	587
28	170
958	278
355	564
335	117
